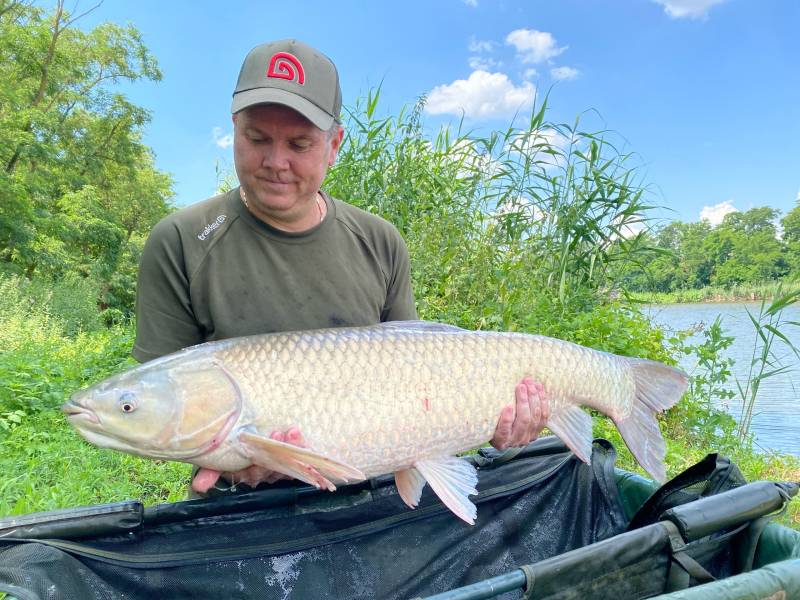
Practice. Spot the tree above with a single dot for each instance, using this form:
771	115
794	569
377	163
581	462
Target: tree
791	237
747	249
77	183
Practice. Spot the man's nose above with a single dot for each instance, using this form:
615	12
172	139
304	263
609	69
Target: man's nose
275	157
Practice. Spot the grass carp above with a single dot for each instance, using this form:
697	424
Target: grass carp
403	397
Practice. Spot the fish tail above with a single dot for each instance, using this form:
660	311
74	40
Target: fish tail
658	387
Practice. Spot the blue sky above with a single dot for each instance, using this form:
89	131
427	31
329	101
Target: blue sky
705	92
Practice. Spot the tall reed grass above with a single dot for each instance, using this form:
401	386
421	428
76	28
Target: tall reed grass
504	229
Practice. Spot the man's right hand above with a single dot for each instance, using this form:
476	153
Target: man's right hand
205	479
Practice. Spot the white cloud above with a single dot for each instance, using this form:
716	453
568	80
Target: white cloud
521	205
798	196
530	73
534	46
547	147
563	73
632	228
692	9
714	214
471	160
482	63
483	94
481	46
223	141
472	3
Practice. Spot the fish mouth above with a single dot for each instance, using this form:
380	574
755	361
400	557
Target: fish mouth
75	412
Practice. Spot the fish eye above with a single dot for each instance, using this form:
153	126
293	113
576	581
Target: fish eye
127	402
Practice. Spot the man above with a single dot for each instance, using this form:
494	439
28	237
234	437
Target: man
278	253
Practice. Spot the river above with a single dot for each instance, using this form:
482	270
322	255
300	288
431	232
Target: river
776	423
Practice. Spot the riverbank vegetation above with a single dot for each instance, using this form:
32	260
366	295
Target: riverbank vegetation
746	257
736	293
525	229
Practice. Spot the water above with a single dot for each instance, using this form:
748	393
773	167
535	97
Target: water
776	423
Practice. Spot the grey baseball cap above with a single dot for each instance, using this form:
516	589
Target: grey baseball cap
294	74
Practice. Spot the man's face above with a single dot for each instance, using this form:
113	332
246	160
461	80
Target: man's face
281	159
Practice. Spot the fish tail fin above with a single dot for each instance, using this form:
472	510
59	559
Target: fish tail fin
658	387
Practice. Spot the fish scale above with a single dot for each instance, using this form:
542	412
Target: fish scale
402	397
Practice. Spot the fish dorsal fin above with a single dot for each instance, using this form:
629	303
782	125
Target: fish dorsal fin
453	479
301	463
421	326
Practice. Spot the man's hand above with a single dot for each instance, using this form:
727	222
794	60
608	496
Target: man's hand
205	479
523	421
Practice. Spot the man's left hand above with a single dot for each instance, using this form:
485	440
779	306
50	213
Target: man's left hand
522	422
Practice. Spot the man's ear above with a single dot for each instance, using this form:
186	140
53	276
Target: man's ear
336	142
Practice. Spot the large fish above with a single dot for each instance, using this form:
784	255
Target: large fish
400	397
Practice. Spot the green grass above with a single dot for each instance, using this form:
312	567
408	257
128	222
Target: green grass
49	466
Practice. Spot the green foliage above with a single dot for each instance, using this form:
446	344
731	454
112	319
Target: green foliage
770	326
45	359
702	412
754	291
744	250
791	237
49	466
78	189
505	231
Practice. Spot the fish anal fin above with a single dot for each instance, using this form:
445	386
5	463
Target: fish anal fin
301	463
574	427
409	484
453	479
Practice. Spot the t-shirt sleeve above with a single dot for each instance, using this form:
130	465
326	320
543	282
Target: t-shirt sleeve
165	321
400	304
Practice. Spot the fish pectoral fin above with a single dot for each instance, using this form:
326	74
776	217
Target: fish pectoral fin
409	484
301	463
574	427
453	479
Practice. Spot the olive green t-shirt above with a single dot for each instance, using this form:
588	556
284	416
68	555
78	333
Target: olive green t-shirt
213	271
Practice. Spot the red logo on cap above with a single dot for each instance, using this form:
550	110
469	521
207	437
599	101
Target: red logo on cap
286	66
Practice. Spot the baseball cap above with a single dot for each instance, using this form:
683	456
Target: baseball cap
294	74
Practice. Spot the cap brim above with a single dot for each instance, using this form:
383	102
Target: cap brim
309	110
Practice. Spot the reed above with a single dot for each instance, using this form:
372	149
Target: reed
496	222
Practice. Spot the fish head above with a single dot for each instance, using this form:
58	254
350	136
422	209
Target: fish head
165	409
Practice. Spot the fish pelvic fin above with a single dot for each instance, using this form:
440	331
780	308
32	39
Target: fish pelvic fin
574	427
409	484
658	387
453	479
301	463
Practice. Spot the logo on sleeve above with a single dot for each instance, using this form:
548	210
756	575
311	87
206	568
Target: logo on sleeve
211	227
283	65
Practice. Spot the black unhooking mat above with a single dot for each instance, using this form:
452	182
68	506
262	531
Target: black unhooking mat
359	542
